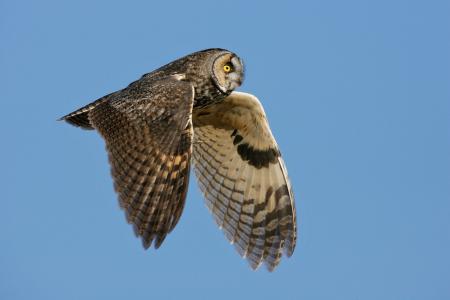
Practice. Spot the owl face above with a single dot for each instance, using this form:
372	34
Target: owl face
227	72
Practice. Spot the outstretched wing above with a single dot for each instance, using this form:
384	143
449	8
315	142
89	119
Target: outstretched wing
244	180
148	135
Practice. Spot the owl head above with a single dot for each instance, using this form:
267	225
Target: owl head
227	70
215	73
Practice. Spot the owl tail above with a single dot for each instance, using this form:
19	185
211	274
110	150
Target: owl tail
80	117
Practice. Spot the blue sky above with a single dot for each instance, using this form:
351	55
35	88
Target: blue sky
357	94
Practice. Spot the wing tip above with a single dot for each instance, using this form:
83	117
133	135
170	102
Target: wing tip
146	243
254	265
159	240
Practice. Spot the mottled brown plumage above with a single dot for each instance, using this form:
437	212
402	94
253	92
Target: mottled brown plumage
186	107
241	173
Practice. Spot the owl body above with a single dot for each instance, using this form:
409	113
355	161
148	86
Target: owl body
184	113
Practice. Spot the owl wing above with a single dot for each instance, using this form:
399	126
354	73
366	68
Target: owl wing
244	179
148	136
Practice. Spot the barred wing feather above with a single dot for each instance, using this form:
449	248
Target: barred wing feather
244	180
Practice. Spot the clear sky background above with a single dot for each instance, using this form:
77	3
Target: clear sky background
358	97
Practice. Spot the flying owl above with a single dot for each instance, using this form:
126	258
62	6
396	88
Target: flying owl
187	111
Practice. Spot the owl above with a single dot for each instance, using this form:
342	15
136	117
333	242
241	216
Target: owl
184	113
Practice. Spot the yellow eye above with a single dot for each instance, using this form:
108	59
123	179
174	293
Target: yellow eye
227	68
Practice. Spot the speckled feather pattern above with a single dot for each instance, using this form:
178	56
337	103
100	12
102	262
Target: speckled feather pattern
249	195
149	145
187	110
